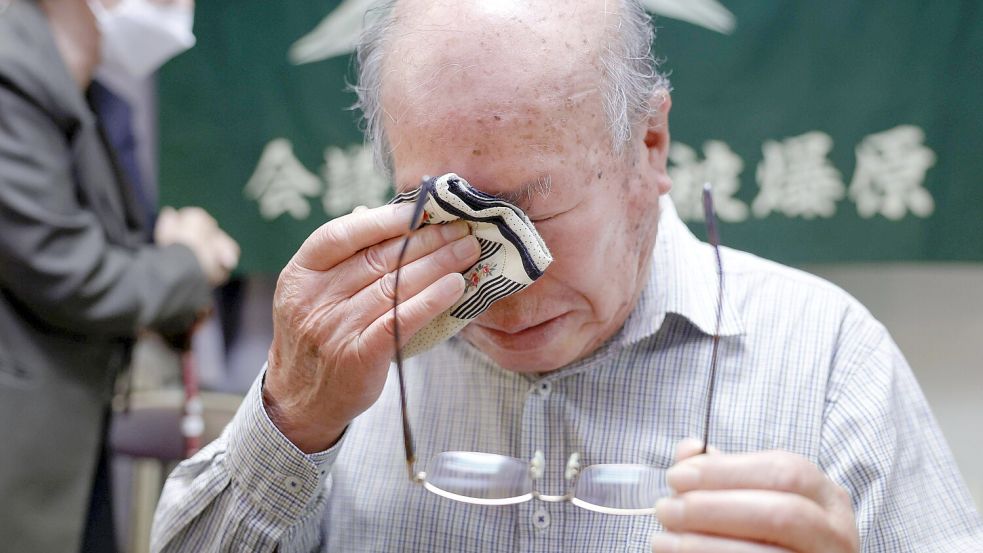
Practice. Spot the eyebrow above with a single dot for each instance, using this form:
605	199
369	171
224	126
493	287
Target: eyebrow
523	196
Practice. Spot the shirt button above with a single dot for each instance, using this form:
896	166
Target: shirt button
544	389
292	485
541	518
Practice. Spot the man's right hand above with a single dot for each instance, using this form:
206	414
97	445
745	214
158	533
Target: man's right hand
333	315
217	253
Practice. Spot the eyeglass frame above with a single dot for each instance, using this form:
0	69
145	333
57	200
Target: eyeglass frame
537	464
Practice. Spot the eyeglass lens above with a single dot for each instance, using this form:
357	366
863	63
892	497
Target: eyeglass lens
490	479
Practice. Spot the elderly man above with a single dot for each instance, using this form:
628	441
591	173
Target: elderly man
825	443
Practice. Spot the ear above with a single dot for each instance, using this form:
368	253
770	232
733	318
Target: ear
656	129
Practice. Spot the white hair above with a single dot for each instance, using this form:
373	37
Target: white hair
631	75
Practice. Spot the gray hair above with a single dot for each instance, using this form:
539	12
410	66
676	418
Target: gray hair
631	73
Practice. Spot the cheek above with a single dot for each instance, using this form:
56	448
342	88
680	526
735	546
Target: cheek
601	250
641	222
588	250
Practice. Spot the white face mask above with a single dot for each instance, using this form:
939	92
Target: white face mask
139	36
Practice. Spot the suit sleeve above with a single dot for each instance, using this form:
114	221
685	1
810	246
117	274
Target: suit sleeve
55	260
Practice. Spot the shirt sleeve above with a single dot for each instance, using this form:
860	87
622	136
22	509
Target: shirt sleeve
249	490
881	442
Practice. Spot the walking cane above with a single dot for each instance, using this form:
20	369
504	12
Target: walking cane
192	411
192	422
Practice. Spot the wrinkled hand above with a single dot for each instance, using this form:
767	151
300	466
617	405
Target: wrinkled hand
771	501
217	253
333	316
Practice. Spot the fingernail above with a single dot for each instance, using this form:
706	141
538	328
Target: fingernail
683	477
453	231
669	511
465	248
452	284
665	542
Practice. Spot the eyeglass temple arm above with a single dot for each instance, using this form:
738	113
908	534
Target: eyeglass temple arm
426	187
714	237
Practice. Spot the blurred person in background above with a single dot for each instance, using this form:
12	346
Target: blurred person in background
80	274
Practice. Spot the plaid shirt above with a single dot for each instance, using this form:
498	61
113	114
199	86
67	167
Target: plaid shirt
803	367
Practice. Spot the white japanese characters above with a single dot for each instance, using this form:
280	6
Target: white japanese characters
351	179
720	166
282	185
795	177
891	168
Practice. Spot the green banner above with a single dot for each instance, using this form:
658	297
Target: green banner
832	131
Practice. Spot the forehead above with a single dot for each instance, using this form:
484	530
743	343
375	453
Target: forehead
483	125
497	92
462	76
482	33
487	56
506	148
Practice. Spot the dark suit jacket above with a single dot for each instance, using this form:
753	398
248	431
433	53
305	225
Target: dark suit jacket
77	282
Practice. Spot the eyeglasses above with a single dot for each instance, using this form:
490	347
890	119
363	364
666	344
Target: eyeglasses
492	479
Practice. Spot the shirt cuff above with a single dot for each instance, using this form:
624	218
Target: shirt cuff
269	469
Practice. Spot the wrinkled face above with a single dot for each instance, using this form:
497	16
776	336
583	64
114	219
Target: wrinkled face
510	136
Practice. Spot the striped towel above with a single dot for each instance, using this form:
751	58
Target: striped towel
513	255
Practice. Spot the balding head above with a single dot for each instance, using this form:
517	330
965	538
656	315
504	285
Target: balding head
487	55
421	57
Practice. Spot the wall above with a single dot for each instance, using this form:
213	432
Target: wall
935	314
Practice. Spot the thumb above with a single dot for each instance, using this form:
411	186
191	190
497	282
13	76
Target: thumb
166	226
167	214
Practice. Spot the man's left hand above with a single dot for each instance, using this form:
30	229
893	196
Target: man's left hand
771	501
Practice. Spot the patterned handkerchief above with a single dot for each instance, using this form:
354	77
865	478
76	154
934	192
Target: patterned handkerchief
513	255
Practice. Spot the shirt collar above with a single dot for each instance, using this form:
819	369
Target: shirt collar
683	281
